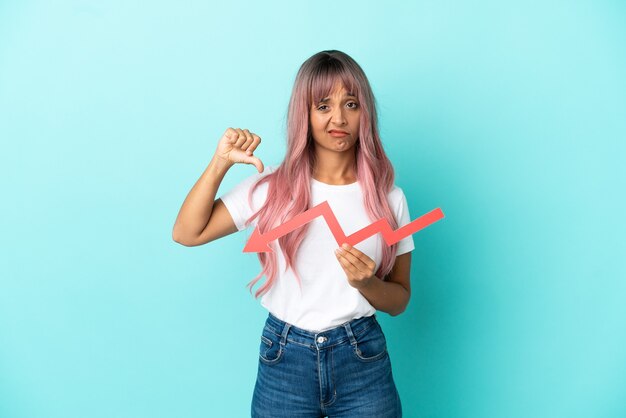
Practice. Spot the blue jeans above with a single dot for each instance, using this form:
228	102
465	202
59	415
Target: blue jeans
341	372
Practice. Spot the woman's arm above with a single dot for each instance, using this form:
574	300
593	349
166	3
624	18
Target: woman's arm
202	218
391	296
195	213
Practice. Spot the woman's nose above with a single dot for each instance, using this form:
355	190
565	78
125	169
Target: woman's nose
338	116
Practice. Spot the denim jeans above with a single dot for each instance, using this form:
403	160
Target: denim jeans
341	372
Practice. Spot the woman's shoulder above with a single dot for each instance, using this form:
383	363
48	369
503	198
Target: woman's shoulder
395	192
396	196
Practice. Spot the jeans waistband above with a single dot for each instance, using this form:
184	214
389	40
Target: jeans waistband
322	339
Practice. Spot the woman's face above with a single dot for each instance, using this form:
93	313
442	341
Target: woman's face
337	113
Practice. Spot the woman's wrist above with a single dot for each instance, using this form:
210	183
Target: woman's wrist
219	165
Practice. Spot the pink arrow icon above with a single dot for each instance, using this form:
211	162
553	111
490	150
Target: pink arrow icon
258	243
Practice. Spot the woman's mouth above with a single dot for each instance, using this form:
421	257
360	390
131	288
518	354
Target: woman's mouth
338	134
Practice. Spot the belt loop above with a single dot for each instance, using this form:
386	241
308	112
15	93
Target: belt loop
283	336
349	332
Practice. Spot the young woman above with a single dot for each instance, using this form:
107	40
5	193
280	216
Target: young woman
322	351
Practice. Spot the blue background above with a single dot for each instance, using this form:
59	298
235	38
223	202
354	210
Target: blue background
508	116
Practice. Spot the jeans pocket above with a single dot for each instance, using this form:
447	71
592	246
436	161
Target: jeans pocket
270	350
371	344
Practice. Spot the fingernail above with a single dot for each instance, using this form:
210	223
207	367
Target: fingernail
345	245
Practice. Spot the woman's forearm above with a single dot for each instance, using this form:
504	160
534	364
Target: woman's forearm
196	210
389	297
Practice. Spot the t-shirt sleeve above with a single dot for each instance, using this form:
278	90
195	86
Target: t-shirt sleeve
236	199
406	244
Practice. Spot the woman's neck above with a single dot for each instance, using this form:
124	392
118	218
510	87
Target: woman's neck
336	172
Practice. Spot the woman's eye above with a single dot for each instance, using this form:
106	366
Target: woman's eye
354	106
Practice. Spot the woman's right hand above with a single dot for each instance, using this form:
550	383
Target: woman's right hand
237	146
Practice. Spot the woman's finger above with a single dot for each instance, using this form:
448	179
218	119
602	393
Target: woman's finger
240	139
363	258
231	134
346	265
353	258
255	143
249	139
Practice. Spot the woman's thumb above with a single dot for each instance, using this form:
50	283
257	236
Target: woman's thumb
256	162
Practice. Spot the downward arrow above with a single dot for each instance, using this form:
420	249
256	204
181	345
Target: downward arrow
258	243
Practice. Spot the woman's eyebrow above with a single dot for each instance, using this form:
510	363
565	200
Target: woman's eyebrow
324	100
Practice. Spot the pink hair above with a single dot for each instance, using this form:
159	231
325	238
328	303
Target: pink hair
289	186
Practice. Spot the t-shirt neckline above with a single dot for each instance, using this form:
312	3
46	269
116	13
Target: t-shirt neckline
335	186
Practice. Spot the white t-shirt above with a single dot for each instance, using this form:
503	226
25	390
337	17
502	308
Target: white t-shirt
326	299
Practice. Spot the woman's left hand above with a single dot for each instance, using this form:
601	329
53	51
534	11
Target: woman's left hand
359	267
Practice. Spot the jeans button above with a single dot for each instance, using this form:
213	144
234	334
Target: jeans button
321	339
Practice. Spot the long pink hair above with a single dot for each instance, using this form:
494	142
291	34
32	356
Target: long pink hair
289	185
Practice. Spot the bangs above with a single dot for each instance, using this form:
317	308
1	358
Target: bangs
325	78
